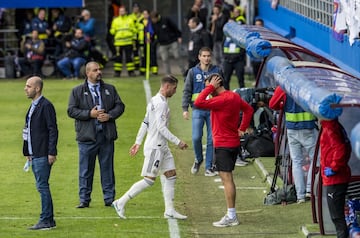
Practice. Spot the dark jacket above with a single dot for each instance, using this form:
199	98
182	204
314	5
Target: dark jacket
43	130
166	30
80	105
199	37
79	48
218	34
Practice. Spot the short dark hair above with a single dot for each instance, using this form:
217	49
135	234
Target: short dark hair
211	76
205	48
169	79
154	14
196	20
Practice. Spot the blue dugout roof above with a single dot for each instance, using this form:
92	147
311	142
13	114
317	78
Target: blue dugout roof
40	3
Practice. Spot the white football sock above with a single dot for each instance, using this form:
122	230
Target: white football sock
135	189
168	187
231	213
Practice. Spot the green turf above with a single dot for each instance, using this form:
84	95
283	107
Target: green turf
197	196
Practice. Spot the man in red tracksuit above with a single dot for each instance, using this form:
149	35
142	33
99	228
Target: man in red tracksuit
225	109
335	150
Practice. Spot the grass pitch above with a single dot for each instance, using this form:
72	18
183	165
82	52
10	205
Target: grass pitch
197	196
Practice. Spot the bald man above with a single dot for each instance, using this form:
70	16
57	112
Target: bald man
95	105
40	135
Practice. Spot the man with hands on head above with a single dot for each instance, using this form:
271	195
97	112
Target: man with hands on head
225	107
158	157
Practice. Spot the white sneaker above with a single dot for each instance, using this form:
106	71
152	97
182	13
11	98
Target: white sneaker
119	208
226	221
240	162
210	173
174	215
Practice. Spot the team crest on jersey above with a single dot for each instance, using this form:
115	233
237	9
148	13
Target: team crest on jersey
198	78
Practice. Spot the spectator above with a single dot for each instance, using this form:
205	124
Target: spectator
74	55
137	17
301	135
218	20
87	24
256	63
199	10
95	106
61	27
40	24
158	157
335	151
169	39
40	136
124	30
194	84
147	38
225	107
33	50
234	58
199	37
26	26
113	12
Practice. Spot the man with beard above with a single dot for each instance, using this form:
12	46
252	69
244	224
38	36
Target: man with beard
95	105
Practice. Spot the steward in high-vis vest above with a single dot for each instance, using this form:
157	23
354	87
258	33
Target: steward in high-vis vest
124	31
233	55
147	38
234	59
40	24
137	18
301	134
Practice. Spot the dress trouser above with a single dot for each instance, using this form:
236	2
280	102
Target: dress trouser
104	150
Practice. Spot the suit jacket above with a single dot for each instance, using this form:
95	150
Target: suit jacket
80	105
43	130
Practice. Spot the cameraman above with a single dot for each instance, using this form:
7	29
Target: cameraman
87	24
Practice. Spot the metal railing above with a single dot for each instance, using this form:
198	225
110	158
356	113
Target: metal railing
317	10
8	39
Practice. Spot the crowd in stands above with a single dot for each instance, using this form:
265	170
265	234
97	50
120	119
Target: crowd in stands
51	34
135	36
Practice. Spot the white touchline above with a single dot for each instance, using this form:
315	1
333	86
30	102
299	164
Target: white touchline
173	225
81	218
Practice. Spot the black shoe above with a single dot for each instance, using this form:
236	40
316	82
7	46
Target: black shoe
52	224
117	74
195	168
83	205
108	203
41	226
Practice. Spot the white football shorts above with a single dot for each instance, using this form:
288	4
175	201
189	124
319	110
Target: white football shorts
157	161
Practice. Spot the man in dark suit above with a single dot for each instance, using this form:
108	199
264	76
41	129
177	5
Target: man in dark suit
95	105
40	136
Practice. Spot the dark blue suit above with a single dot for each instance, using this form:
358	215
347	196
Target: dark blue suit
43	131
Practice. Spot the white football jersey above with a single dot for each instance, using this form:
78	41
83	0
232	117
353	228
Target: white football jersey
155	124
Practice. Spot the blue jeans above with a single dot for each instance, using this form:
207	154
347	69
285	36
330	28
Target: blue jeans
66	64
301	143
88	151
41	169
199	118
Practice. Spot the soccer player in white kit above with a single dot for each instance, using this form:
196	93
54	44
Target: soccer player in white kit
158	157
